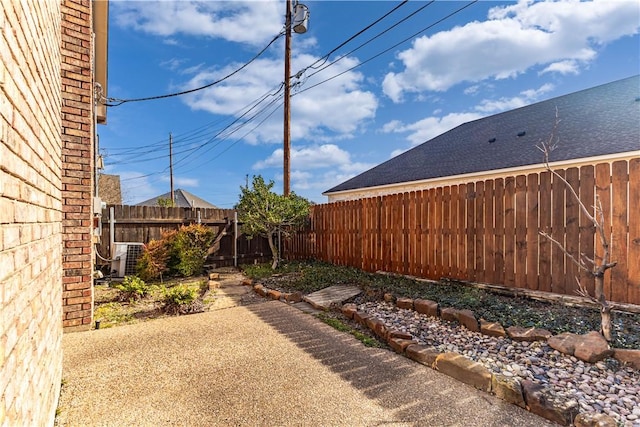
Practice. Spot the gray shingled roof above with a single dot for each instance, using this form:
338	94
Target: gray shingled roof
183	198
593	122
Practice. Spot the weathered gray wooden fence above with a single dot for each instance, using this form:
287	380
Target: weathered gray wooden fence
141	224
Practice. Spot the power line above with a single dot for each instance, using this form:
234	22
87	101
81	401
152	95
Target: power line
325	57
372	39
216	137
264	108
114	102
390	48
133	154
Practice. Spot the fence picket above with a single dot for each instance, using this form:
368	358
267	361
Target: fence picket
618	244
633	254
488	231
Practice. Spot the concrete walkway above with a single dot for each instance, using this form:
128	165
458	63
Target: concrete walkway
266	364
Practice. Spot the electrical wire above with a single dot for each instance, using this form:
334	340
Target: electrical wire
411	15
324	58
219	135
389	48
114	102
134	156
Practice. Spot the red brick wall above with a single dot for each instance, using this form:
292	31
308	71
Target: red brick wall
77	163
30	212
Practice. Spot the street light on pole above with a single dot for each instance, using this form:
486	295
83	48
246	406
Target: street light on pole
296	19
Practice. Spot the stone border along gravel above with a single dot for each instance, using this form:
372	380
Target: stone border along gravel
569	379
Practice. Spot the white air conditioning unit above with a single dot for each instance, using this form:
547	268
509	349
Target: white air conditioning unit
124	259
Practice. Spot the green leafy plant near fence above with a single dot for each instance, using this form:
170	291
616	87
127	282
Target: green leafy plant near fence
191	245
177	253
132	288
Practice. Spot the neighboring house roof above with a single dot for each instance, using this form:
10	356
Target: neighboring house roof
600	121
183	199
109	189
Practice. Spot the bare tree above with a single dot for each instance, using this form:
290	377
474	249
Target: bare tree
598	265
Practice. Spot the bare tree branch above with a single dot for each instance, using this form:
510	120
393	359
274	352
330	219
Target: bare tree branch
597	219
577	262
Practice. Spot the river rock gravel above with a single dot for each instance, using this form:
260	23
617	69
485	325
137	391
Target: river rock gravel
606	387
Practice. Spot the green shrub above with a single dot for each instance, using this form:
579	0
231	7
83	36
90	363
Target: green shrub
177	253
132	288
182	299
190	249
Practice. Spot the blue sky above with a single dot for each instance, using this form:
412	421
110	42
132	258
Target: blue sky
371	99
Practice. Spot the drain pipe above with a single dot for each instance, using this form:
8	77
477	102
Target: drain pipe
235	239
112	232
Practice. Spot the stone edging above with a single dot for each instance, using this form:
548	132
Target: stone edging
526	394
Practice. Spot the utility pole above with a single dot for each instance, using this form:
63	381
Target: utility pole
173	197
299	25
287	96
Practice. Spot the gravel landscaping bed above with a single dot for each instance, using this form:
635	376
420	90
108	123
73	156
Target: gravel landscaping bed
606	387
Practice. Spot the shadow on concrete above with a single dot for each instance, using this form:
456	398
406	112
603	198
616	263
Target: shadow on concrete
415	394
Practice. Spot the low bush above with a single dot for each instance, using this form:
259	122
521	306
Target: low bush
132	288
154	261
182	299
177	253
190	248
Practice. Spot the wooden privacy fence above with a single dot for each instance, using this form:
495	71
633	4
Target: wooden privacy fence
142	224
488	231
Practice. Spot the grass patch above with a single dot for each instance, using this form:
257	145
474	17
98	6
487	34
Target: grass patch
111	314
343	327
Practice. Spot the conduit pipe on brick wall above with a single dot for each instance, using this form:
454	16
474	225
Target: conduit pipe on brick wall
112	231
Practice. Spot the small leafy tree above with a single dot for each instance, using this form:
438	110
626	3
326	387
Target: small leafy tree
265	213
165	202
190	246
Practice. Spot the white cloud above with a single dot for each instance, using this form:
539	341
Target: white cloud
565	34
312	157
173	64
336	111
430	127
563	67
472	90
318	167
526	97
186	182
252	22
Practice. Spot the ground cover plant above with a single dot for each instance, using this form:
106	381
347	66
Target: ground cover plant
507	310
173	297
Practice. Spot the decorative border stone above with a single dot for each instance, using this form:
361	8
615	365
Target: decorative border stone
422	354
631	357
464	370
541	403
406	303
349	310
527	394
427	307
518	333
508	389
